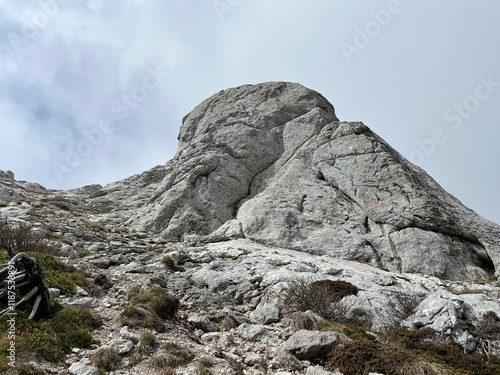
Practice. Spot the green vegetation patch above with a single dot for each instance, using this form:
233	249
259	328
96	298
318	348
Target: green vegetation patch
407	352
106	359
149	308
156	299
51	338
175	356
170	263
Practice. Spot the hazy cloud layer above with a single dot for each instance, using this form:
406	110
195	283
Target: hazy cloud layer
92	91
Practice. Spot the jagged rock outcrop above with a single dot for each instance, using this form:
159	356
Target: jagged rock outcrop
272	163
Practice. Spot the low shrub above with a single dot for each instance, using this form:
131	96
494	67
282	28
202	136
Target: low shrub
157	300
106	359
399	307
351	331
175	356
359	357
134	317
203	367
305	320
51	338
430	347
227	323
31	369
324	297
487	332
147	342
23	237
170	263
147	308
57	274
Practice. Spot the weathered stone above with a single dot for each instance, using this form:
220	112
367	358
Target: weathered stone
135	267
81	292
283	359
210	336
127	335
311	344
254	359
217	167
440	311
78	302
237	316
79	368
252	332
123	346
202	322
266	314
450	315
101	262
319	371
120	259
54	292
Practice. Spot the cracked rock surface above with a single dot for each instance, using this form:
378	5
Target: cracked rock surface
272	163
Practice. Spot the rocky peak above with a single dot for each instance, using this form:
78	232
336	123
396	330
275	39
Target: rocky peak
272	163
268	193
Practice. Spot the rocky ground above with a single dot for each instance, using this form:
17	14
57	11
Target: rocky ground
270	194
231	313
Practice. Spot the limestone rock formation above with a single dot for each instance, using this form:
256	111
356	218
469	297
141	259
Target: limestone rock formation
267	188
272	163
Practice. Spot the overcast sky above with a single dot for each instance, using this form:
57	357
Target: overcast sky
92	91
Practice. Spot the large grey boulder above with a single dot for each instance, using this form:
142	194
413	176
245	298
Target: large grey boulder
272	163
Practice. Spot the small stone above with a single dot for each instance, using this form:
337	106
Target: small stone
121	259
210	336
306	344
252	332
103	263
266	314
78	302
202	322
54	292
79	368
320	371
134	267
254	359
123	346
283	359
226	340
127	335
80	291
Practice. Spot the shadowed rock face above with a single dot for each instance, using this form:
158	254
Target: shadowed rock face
272	163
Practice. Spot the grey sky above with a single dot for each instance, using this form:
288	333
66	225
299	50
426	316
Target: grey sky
424	75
